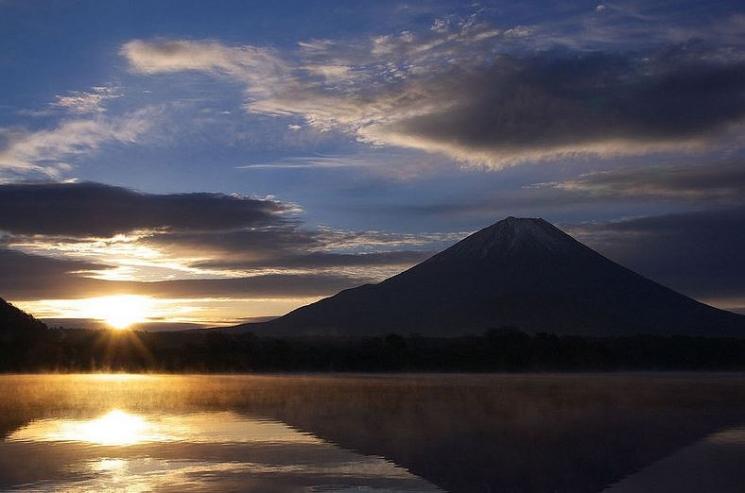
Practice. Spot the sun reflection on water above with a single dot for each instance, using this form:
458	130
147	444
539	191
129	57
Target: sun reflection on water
122	428
133	447
116	427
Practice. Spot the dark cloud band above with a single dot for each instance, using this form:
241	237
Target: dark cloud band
697	253
94	209
570	102
717	181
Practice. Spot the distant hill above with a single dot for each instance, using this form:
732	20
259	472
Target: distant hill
11	318
523	273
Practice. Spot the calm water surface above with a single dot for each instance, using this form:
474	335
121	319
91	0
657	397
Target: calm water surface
424	433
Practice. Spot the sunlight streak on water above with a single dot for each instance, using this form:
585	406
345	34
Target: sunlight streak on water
122	428
113	428
174	448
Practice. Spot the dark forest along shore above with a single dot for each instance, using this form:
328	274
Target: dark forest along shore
414	433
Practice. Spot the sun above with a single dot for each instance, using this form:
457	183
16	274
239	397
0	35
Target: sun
121	312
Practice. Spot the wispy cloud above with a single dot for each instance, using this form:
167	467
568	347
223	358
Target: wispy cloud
312	162
715	182
396	166
47	152
259	68
82	102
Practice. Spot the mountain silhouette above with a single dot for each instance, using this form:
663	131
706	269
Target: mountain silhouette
14	319
520	272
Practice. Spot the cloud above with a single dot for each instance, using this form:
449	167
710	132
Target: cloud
86	102
391	165
58	285
698	253
46	151
247	245
97	210
258	67
36	269
326	260
549	106
293	249
331	72
266	264
246	270
483	95
314	162
26	275
721	182
263	286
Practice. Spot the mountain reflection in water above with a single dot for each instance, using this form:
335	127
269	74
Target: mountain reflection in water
521	433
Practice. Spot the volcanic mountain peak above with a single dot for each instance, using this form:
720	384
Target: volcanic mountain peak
511	236
524	273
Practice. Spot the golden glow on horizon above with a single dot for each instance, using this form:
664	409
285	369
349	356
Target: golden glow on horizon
206	311
121	312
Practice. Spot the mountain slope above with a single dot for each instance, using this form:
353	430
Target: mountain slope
518	272
11	318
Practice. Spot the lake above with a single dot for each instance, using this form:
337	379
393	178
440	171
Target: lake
654	432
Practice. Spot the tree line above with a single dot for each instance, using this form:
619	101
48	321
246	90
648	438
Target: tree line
503	349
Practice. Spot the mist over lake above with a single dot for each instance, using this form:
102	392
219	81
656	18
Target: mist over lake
403	433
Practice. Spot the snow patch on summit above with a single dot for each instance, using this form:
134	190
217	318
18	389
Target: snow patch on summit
512	235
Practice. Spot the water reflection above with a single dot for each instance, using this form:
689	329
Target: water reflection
123	428
482	433
205	451
714	464
113	428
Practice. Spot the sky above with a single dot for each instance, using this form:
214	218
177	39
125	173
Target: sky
215	162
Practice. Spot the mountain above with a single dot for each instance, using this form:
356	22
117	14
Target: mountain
12	319
524	273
